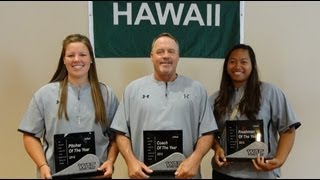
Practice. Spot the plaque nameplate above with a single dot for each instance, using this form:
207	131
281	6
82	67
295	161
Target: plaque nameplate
75	155
245	140
163	150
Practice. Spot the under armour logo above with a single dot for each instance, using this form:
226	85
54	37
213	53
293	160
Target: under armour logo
186	96
145	96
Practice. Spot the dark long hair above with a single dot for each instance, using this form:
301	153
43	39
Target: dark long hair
250	103
61	75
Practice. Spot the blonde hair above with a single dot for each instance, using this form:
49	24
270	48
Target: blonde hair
61	75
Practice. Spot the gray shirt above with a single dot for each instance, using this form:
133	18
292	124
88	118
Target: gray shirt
41	119
277	115
149	104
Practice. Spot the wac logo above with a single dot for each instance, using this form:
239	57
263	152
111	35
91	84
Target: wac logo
172	164
255	152
85	166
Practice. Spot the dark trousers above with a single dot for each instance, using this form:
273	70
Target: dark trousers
218	175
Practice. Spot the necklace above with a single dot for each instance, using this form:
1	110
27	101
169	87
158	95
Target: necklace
236	109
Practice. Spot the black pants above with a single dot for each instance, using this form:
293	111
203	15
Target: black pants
218	175
162	175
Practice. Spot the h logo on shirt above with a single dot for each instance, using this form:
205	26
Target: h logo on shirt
145	96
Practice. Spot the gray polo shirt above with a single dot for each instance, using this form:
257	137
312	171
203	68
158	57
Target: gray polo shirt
41	119
149	104
277	115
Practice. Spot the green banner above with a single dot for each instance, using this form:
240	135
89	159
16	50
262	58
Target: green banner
204	29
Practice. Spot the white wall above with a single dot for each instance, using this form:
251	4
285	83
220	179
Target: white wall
285	36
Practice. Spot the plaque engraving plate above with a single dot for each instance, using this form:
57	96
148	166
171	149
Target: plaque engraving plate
163	150
75	155
245	140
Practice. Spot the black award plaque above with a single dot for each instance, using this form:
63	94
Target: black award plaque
163	151
75	155
245	140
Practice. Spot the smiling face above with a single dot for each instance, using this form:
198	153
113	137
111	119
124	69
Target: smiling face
239	66
77	60
165	57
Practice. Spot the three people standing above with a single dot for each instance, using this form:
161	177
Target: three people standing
75	101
